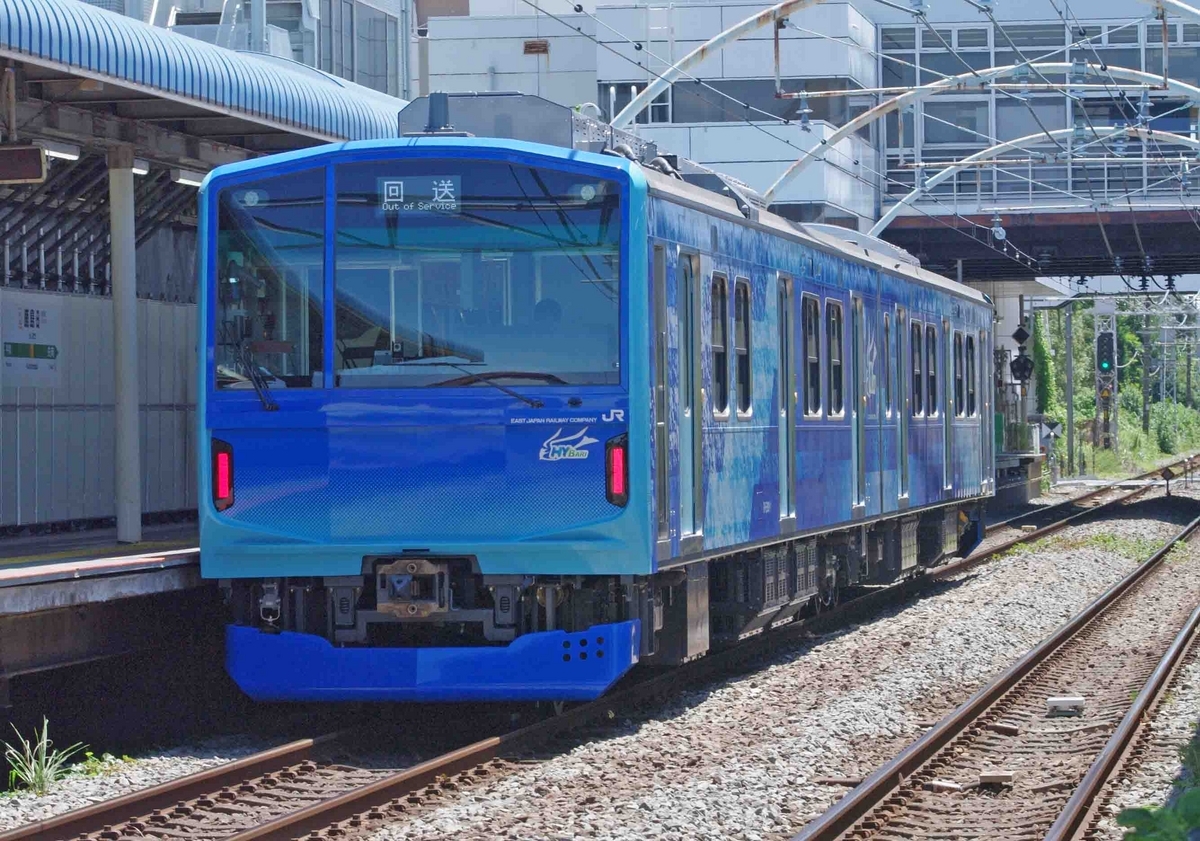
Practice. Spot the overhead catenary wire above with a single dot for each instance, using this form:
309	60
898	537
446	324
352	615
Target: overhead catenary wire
1019	256
884	178
1087	117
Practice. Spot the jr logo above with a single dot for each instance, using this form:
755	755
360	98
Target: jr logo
614	415
557	448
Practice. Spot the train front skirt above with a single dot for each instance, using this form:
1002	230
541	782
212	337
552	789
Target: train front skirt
543	666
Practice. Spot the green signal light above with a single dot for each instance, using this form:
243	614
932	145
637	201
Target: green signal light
1104	366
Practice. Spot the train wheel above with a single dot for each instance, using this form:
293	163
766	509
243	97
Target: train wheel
830	593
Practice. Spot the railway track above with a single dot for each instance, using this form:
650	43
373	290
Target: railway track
1060	511
1028	754
288	793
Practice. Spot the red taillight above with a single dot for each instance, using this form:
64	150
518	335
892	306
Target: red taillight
222	475
616	462
224	484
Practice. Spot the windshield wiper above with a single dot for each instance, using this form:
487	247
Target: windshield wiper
246	356
488	378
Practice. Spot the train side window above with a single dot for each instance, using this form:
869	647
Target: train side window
887	365
931	404
971	407
741	345
720	344
960	404
918	381
833	330
811	325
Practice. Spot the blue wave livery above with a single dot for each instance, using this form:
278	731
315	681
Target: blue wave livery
490	418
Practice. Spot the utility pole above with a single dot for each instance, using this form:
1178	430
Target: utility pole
1146	374
1070	341
1189	349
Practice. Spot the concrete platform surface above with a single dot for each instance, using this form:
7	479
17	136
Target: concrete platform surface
94	544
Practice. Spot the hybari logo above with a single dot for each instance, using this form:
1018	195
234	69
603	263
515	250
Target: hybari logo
558	448
392	195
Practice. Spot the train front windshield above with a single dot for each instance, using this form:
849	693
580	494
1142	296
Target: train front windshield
446	272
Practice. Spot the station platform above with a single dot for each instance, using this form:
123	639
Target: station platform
93	544
77	597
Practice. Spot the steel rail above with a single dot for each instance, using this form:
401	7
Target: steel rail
743	655
724	661
91	819
321	815
1081	808
1075	500
964	564
1092	494
889	777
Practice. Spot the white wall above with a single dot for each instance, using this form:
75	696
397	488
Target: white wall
757	155
481	53
487	54
802	54
56	444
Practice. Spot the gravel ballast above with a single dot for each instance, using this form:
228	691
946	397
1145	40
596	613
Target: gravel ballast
750	757
745	758
122	777
1152	782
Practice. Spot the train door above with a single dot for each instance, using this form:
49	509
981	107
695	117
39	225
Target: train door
886	402
903	405
948	407
987	419
691	486
661	441
858	397
787	401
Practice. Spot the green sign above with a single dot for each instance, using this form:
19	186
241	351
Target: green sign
28	350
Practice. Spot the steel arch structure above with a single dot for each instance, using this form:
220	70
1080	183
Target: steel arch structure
956	84
1101	133
668	77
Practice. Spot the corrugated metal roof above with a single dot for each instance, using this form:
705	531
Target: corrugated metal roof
74	37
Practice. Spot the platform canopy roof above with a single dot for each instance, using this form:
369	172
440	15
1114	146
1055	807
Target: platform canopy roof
73	57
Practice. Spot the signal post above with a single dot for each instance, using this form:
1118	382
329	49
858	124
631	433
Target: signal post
1106	374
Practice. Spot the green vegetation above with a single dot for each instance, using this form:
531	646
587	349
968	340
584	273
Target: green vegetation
1174	428
97	766
1043	371
1189	758
1180	818
35	764
1170	823
1135	548
1179	553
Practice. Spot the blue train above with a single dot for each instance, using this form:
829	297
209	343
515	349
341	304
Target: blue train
489	418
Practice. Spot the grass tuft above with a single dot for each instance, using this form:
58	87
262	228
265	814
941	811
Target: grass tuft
35	763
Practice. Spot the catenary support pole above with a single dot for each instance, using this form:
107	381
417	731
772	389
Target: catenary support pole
1069	335
126	419
1188	353
1146	364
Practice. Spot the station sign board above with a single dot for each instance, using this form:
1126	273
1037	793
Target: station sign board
30	339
